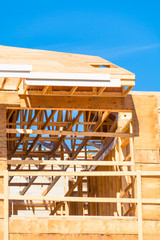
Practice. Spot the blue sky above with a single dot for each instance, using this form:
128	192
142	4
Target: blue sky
124	32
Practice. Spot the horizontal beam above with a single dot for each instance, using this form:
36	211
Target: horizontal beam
13	101
68	133
150	201
84	173
150	173
81	199
74	162
107	123
81	93
73	199
63	173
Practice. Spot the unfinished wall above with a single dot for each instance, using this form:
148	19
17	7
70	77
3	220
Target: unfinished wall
3	162
146	157
146	148
80	228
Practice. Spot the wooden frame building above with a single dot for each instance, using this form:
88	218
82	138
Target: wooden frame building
79	151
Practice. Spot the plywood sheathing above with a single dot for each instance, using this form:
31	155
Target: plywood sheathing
146	148
56	62
80	237
50	61
77	225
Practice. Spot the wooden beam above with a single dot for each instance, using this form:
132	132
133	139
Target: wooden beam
3	83
122	194
87	103
70	162
101	90
72	91
65	173
45	89
19	82
127	91
69	133
74	199
9	115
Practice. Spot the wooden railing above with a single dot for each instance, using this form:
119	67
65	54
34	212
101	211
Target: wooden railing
138	200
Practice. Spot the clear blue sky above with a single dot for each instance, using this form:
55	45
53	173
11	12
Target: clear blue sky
124	32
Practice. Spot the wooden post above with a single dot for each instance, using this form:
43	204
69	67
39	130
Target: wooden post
6	206
139	204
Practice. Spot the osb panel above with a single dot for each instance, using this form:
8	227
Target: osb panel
79	237
151	212
80	225
146	156
73	237
72	225
150	187
146	122
50	61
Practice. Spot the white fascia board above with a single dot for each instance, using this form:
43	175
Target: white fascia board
74	83
14	74
15	68
15	71
71	79
69	76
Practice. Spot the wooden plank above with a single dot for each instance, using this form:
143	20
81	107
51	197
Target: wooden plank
128	90
70	133
64	173
79	236
70	162
72	91
73	199
74	225
49	61
13	101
